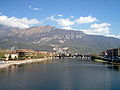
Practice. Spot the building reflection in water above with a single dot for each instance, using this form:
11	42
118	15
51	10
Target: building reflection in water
114	67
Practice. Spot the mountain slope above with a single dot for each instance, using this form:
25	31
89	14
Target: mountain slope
60	40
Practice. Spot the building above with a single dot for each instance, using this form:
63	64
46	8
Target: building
11	56
30	54
114	52
26	53
118	52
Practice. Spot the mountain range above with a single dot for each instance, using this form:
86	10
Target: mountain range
49	38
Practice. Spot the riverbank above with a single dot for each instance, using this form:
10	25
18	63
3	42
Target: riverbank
20	62
98	60
108	62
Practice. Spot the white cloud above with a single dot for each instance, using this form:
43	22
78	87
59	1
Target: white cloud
62	22
67	22
51	18
71	16
68	28
88	19
60	15
102	25
99	29
117	36
104	32
111	35
18	22
34	8
94	29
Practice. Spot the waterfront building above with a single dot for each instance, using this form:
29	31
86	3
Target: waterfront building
11	56
114	52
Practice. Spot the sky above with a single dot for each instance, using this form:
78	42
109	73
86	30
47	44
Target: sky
96	17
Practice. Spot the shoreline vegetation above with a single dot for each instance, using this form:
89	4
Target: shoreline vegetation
11	63
105	60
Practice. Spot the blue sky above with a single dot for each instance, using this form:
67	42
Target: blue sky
99	16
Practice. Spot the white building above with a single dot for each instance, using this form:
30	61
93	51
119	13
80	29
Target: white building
13	55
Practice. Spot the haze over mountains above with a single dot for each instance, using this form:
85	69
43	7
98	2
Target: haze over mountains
50	38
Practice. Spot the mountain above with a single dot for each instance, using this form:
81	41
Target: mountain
50	38
4	29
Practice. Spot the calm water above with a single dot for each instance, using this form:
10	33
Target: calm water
63	74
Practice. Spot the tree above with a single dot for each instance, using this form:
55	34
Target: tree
15	57
10	57
1	55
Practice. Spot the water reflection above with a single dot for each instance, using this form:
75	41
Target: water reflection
114	67
74	74
34	66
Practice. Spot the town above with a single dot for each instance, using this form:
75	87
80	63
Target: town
27	54
23	54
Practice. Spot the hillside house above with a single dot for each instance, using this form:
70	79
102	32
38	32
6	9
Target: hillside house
12	55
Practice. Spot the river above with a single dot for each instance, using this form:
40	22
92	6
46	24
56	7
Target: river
61	74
